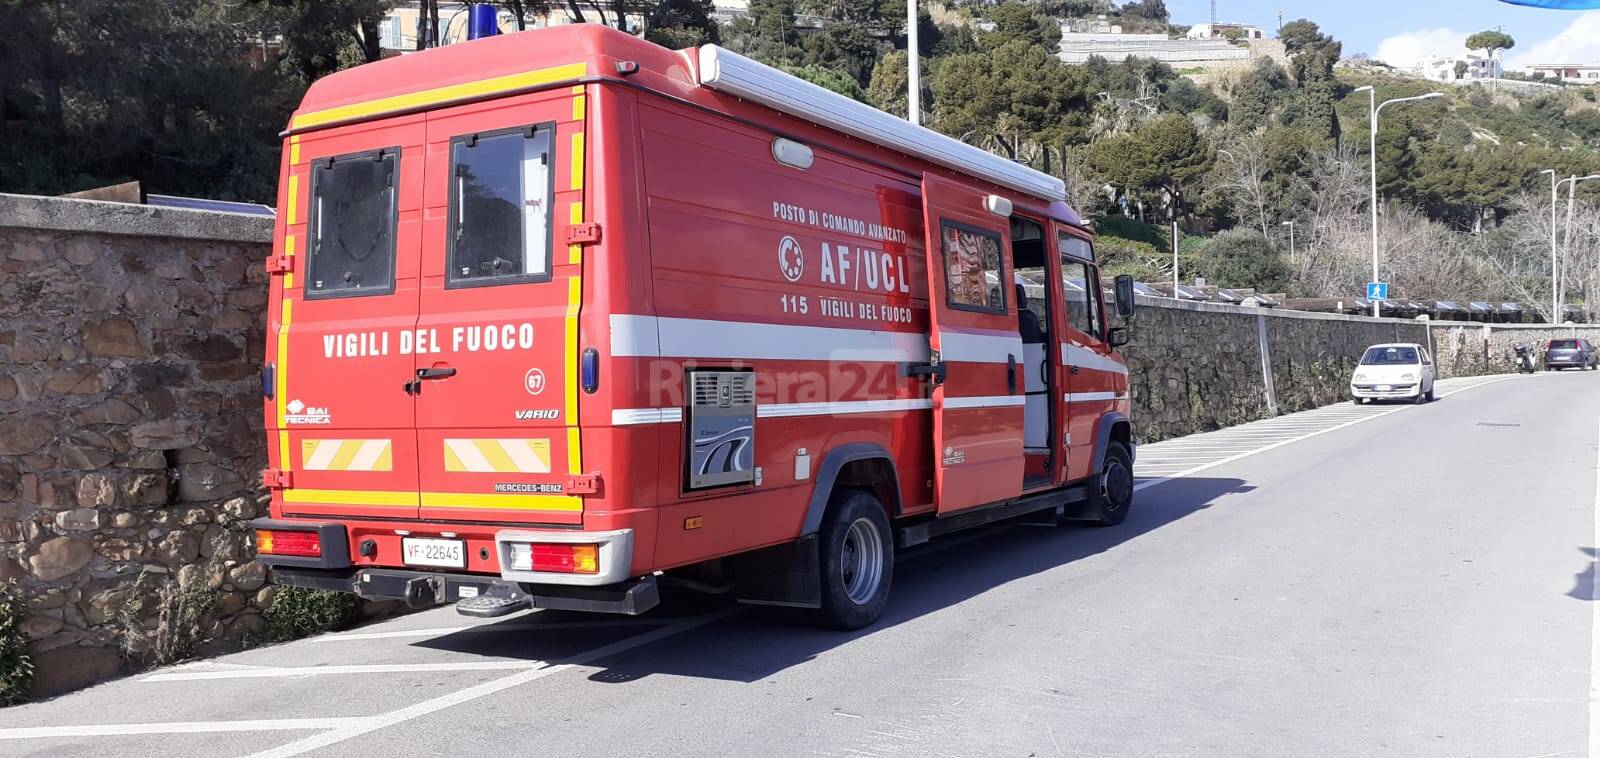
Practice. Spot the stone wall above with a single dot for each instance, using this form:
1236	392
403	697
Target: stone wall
130	429
1474	349
1194	367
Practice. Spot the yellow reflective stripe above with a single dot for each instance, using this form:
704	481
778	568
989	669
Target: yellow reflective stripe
385	459
508	502
574	459
294	150
577	108
438	95
499	460
288	250
345	455
281	391
350	497
291	213
575	217
577	161
574	300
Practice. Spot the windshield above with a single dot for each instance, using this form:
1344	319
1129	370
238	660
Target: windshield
1563	344
1389	356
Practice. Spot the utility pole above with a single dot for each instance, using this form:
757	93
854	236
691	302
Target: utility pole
1280	22
1174	258
1213	16
1372	102
913	74
1290	224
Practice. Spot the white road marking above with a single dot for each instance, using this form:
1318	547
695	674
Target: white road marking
1594	625
440	631
364	668
177	727
1238	456
374	723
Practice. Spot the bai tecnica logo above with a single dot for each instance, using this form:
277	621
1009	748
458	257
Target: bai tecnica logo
300	413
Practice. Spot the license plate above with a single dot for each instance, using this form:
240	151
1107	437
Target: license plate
1383	388
419	551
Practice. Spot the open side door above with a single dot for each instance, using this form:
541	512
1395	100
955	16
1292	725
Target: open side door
976	350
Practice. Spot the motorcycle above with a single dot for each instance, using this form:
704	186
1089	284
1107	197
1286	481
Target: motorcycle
1524	358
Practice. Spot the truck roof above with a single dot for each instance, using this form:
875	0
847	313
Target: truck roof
577	53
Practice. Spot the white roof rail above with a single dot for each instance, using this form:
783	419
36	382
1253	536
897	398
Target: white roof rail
735	74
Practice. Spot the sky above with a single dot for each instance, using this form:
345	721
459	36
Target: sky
1402	32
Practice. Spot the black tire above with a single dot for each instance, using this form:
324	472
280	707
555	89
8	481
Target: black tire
1111	492
1355	400
1430	394
851	597
1422	397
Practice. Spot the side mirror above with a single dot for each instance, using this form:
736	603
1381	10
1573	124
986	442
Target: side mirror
1117	336
1123	285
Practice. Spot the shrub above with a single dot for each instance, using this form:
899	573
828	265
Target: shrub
1243	258
16	668
298	612
180	624
1131	229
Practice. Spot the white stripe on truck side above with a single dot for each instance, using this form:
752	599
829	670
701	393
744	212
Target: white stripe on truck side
636	416
635	336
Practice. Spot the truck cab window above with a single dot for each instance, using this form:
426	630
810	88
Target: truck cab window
352	225
972	268
1081	283
500	190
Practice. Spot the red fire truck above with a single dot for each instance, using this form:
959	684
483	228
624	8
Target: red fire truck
562	316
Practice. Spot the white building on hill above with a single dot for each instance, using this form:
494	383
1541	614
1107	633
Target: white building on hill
1220	31
1575	73
1442	68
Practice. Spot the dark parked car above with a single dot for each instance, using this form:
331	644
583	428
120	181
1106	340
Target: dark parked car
1575	353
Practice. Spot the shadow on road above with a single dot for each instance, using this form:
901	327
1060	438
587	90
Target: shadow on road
927	579
1583	582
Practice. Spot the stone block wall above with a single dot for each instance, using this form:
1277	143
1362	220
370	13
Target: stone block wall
1474	349
131	433
1195	367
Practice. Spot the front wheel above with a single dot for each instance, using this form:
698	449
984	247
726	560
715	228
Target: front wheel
857	561
1111	494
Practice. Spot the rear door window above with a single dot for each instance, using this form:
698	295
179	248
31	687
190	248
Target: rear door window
352	225
1563	344
500	190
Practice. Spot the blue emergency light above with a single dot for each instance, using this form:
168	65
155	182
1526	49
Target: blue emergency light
483	20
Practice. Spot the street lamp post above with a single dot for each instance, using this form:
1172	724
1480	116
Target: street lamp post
1290	224
1566	246
1376	108
913	74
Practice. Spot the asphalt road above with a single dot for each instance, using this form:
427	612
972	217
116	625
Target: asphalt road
1373	580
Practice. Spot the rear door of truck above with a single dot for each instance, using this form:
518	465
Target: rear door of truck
497	402
344	305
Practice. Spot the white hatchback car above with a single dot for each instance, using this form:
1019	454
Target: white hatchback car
1401	370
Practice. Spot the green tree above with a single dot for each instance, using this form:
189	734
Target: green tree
887	89
1461	69
1256	97
831	79
1155	10
1491	42
1243	258
1015	21
1312	56
679	24
1016	86
766	34
1166	155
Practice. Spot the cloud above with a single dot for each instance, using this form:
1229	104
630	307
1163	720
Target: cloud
1411	48
1578	43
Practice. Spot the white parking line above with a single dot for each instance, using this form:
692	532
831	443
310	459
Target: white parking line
177	727
440	631
364	668
426	707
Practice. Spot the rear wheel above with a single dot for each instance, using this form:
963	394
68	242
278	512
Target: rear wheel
857	561
1111	493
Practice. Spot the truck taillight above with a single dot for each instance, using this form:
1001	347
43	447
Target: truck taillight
282	542
560	558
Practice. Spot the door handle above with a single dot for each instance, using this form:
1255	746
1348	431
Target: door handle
414	387
1072	369
1011	374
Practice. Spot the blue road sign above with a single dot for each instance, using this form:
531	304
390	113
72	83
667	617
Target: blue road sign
1377	290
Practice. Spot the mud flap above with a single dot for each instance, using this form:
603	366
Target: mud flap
787	575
